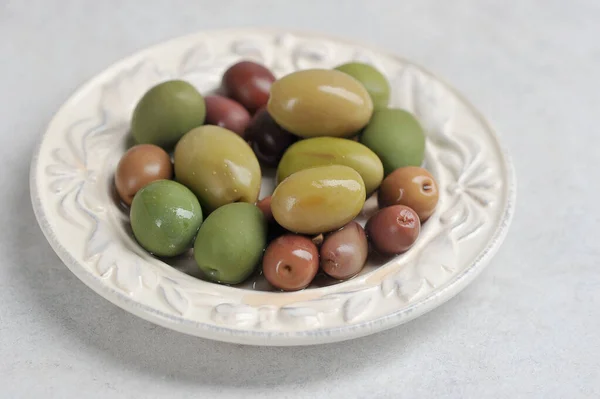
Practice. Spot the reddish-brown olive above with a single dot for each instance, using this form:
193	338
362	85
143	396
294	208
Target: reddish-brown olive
224	112
140	166
291	262
265	206
411	186
267	139
249	84
394	229
344	252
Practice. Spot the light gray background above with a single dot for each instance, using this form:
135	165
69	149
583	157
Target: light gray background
529	327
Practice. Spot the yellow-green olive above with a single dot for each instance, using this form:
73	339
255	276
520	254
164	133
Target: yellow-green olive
218	166
319	199
322	151
320	102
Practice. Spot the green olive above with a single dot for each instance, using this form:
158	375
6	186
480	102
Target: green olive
319	199
373	80
166	112
322	151
396	137
165	217
320	102
230	243
218	166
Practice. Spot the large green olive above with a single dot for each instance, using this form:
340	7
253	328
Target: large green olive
166	112
373	80
230	243
320	102
396	137
218	166
319	199
165	217
322	151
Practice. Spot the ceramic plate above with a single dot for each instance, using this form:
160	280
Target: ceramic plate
73	198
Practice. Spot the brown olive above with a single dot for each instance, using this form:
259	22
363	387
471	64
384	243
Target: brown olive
394	229
267	139
139	166
225	112
265	206
291	262
249	84
344	252
411	186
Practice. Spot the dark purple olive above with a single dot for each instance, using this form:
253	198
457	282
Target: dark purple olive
394	229
224	112
291	262
249	84
344	252
267	139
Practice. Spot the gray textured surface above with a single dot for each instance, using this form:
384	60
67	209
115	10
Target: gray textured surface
527	328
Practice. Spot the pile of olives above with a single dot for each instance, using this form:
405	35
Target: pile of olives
194	177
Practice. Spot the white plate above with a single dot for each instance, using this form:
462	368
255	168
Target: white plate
71	180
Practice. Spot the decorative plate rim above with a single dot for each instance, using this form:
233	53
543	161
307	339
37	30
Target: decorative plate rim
281	338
